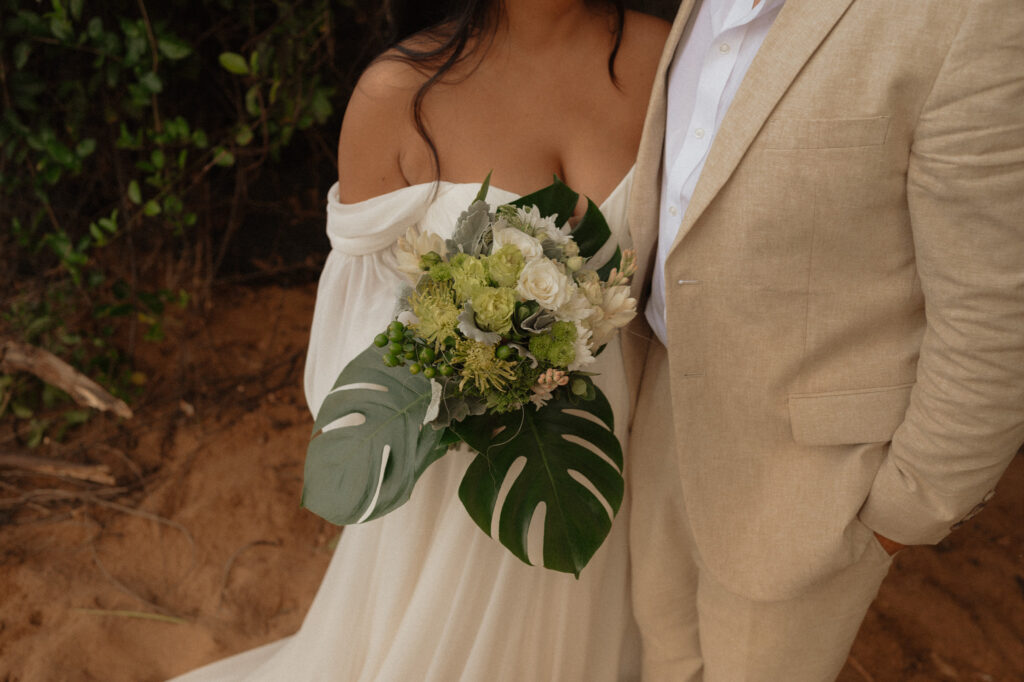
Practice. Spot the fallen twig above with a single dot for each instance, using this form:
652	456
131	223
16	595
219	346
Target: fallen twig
97	473
16	356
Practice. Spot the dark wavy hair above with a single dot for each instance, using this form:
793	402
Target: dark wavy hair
452	25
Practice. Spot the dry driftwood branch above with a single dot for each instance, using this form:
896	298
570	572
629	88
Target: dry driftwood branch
97	473
16	356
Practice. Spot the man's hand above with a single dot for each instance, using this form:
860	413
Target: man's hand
890	546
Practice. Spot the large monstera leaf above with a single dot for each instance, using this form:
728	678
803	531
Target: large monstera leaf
552	442
362	471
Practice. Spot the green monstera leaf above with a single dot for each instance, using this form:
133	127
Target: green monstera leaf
571	463
368	466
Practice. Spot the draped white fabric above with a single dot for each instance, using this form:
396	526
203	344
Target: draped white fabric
422	594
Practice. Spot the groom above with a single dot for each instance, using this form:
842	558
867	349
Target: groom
829	209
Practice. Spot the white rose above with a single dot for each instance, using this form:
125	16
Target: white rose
544	281
527	245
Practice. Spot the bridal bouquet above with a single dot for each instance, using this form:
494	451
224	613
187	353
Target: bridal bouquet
489	348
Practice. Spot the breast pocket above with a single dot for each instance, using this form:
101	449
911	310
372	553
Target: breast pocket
825	133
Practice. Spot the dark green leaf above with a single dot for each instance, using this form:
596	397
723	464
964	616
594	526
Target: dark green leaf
234	63
482	194
173	48
592	231
151	82
134	193
555	199
346	468
575	522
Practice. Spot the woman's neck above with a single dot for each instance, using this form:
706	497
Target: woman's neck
535	23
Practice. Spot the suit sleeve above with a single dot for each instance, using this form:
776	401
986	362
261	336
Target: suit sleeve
965	192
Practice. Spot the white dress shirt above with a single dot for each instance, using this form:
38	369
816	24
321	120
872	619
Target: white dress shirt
706	72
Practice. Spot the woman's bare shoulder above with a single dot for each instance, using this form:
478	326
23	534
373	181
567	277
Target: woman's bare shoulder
377	127
644	35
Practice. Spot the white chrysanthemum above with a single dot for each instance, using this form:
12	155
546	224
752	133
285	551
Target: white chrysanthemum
543	227
410	248
527	245
545	282
582	347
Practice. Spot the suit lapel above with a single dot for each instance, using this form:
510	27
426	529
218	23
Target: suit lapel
797	32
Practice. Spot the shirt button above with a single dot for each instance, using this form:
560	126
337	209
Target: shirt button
672	210
724	47
698	133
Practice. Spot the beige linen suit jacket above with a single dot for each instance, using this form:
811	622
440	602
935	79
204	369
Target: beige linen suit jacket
845	298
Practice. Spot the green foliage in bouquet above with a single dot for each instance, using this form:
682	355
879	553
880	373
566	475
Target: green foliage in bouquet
505	380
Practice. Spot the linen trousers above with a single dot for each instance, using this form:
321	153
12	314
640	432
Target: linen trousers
693	628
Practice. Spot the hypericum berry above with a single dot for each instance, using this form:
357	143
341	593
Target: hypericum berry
380	340
449	342
447	370
409	355
415	368
390	360
429	372
409	348
396	327
504	352
427	355
396	347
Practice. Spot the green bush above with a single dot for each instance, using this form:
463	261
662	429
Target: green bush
132	133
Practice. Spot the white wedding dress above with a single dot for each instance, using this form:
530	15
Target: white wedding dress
422	595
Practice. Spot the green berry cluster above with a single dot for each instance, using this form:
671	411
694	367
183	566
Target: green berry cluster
404	348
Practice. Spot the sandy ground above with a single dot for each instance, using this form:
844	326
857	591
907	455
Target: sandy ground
207	551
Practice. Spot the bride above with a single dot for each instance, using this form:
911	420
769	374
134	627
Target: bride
524	89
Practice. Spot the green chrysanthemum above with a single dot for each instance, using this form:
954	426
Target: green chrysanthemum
468	276
494	307
504	265
434	304
556	346
480	367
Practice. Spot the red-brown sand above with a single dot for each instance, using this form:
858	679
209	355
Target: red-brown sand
213	540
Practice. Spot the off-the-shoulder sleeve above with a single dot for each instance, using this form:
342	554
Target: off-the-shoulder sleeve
359	285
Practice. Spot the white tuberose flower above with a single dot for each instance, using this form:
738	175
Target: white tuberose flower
411	247
544	281
527	245
615	310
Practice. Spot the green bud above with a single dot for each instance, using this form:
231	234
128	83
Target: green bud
429	259
504	352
